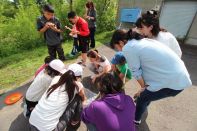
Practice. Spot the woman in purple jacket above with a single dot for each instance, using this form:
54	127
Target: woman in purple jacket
115	111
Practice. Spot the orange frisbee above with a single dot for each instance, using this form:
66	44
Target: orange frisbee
13	98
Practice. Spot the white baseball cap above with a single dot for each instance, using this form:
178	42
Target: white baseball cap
57	65
63	71
76	68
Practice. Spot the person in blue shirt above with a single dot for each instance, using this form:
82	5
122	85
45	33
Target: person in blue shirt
159	71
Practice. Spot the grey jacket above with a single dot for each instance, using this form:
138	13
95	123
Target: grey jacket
92	13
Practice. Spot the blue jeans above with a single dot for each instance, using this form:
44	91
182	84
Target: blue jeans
75	49
146	97
91	127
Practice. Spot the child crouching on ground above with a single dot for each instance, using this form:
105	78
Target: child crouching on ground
41	84
61	105
120	67
99	64
47	60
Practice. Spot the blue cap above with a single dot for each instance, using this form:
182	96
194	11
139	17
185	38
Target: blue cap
117	58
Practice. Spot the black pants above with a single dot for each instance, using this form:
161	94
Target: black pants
146	97
52	50
30	105
72	113
83	43
92	34
75	46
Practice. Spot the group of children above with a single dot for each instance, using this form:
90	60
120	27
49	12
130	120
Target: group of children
82	31
56	100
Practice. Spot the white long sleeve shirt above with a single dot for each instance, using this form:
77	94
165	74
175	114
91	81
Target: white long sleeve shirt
169	40
48	111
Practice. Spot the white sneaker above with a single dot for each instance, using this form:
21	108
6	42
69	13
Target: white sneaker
25	110
137	123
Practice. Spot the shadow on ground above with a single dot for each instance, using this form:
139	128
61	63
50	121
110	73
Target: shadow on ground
20	124
87	82
21	89
143	126
190	59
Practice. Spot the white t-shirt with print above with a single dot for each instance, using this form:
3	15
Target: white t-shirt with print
169	40
40	84
102	64
47	112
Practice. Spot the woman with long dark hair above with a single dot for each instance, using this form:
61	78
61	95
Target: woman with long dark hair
159	71
90	15
148	25
54	102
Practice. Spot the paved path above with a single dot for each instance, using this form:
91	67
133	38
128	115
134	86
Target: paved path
170	114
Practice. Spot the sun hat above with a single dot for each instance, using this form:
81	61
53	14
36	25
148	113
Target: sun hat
76	68
57	65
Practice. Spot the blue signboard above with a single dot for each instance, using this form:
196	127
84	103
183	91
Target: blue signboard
130	15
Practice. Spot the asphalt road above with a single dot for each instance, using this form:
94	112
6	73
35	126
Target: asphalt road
170	114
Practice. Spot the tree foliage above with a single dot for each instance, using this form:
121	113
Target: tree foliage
18	21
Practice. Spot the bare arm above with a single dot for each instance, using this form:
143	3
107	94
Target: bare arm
121	76
105	70
57	30
53	27
82	94
141	82
44	28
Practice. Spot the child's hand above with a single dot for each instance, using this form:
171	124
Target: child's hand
47	25
84	103
75	32
71	34
53	26
93	79
68	28
50	24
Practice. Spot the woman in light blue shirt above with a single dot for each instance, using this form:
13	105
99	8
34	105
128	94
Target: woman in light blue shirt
159	71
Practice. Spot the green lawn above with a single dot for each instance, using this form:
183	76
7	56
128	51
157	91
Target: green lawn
18	68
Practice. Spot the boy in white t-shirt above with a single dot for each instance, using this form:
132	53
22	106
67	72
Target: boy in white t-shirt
41	84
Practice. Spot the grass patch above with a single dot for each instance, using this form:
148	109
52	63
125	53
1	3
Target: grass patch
18	68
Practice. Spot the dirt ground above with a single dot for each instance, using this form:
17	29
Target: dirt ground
170	114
